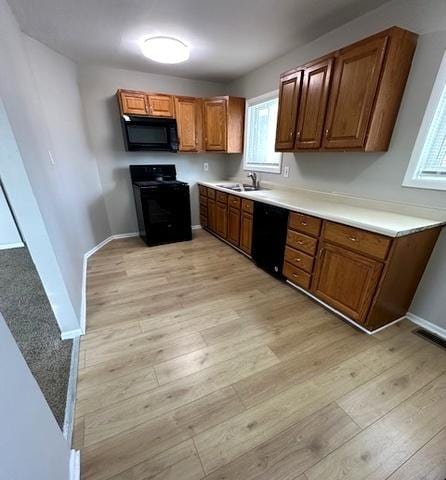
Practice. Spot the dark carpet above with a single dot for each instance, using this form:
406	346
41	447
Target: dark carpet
27	312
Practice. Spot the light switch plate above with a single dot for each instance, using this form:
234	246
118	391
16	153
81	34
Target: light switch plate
205	166
286	171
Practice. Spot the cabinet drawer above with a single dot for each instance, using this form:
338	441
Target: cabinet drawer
299	259
203	201
203	190
222	197
234	201
211	193
247	205
305	223
302	242
372	244
296	275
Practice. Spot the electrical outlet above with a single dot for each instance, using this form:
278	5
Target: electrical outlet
205	166
286	171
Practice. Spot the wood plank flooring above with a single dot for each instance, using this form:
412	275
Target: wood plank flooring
198	365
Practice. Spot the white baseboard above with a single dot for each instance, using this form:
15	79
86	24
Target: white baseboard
75	465
340	314
431	327
84	274
70	403
70	334
196	227
7	246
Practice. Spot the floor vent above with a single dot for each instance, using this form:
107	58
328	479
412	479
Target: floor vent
431	337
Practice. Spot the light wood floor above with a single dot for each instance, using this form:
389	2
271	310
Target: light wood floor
197	365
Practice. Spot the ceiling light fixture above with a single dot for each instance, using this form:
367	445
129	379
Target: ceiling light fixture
165	50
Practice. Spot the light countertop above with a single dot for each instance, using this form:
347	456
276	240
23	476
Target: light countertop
386	218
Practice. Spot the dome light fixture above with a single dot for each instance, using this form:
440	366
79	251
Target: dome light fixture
165	50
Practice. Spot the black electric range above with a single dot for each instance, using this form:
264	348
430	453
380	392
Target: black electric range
162	204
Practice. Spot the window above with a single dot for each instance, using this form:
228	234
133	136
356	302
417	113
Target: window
427	167
261	134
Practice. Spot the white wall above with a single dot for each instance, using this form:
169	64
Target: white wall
373	175
98	87
9	235
41	97
31	443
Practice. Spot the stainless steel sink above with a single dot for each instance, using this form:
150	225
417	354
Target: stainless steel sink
241	187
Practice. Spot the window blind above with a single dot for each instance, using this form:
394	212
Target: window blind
433	157
262	119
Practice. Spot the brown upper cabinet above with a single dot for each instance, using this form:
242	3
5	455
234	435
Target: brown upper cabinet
189	122
289	96
313	105
223	124
350	98
142	103
160	105
132	103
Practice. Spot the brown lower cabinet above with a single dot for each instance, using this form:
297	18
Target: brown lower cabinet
246	232
234	226
221	219
346	280
212	215
368	277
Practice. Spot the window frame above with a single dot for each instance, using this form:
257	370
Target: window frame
257	167
411	178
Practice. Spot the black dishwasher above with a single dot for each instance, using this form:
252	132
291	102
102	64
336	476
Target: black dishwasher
269	237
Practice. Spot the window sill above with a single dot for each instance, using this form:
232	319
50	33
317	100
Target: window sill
426	184
255	168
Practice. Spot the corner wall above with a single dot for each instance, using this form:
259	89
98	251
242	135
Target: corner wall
372	175
41	98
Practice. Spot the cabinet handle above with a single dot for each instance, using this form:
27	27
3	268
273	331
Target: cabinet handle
295	275
299	242
196	140
353	239
326	133
298	134
291	132
298	260
304	223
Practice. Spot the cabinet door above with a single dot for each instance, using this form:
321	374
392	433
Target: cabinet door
355	83
211	215
234	226
289	95
160	105
188	114
215	125
133	103
221	214
346	280
246	232
313	105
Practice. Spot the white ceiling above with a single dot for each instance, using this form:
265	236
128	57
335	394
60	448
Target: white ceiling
228	38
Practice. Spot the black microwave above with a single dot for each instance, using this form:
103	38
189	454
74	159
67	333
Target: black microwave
149	134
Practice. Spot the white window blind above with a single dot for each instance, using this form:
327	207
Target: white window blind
261	135
427	166
433	156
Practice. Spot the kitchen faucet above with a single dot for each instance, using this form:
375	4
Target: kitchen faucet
253	177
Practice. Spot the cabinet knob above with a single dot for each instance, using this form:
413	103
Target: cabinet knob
304	223
326	133
298	259
299	242
353	239
291	132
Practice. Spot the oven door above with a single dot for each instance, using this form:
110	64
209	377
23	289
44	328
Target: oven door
167	215
150	134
